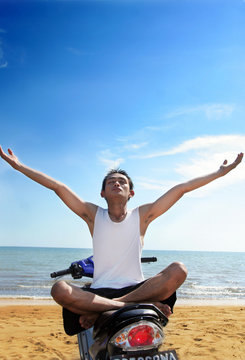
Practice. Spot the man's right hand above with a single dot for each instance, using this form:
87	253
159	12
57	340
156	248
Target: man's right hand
10	158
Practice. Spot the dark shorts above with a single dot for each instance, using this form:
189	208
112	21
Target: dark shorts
71	320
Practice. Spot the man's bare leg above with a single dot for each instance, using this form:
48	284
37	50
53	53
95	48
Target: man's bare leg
78	301
89	305
84	303
159	287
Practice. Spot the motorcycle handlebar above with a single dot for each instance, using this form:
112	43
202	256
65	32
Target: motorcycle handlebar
77	271
60	273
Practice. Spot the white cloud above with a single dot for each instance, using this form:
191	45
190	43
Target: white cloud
211	111
112	159
112	163
135	146
109	160
154	184
219	143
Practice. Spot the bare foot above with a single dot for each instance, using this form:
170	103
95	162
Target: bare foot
165	309
88	319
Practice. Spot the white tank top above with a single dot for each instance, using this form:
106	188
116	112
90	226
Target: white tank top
117	250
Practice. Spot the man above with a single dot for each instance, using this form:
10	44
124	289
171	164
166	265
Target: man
118	235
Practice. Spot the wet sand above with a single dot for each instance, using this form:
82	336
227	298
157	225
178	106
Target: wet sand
34	331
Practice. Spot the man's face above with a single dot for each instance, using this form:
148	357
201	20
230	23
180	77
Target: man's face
117	185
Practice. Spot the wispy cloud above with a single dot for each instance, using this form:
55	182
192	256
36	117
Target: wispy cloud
3	62
110	160
211	111
218	143
111	163
154	184
135	146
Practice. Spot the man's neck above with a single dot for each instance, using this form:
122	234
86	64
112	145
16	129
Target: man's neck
117	212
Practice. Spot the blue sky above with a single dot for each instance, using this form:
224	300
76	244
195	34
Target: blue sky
155	87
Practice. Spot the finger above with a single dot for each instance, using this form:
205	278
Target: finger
2	152
239	157
225	162
10	152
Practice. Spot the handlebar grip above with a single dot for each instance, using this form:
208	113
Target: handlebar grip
148	259
60	273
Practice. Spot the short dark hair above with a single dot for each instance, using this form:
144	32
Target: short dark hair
117	171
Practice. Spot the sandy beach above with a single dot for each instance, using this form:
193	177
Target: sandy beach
34	331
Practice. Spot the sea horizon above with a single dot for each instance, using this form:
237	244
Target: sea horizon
213	275
90	248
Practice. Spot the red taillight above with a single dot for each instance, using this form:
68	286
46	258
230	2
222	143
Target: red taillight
141	335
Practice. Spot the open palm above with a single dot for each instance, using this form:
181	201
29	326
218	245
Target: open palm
10	157
224	168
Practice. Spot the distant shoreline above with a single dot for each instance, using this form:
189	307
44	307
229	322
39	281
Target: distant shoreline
5	301
144	250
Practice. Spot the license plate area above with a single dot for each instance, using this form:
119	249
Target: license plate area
160	355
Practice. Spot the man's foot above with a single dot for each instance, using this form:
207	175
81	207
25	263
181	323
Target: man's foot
164	308
88	319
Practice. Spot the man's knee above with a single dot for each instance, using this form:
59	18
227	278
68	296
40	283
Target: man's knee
179	270
61	292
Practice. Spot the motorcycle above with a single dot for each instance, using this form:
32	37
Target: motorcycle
134	332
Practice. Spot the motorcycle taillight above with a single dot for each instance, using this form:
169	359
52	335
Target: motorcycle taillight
142	334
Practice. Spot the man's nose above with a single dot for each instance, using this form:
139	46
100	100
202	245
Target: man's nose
116	183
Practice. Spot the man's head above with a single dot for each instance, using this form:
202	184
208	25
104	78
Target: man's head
117	171
118	178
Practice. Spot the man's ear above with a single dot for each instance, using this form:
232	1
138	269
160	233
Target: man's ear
102	193
131	194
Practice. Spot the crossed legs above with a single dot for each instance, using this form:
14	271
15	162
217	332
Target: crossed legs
89	305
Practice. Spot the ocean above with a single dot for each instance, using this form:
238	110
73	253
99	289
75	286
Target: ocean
213	276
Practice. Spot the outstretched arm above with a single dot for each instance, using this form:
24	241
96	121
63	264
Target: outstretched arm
81	208
151	211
